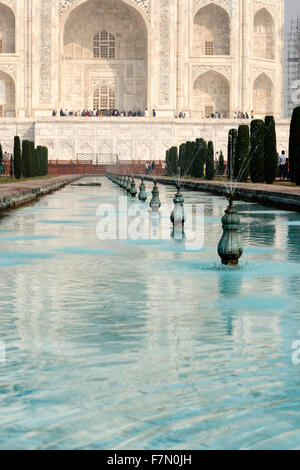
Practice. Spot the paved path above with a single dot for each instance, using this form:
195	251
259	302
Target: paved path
18	193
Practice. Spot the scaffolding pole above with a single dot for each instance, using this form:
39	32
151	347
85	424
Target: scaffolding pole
293	59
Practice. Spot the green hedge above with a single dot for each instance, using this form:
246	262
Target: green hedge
294	150
270	157
210	165
257	160
232	138
242	154
17	159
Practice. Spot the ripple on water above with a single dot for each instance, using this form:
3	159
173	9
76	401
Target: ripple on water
142	344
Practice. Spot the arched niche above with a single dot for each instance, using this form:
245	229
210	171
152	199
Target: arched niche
7	30
264	37
263	96
211	34
211	93
85	62
7	95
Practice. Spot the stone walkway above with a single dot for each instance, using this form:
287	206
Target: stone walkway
18	193
283	197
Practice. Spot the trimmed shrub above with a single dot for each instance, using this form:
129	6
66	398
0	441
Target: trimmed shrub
294	150
172	161
32	162
26	157
203	154
11	168
210	165
242	154
17	159
221	164
188	157
232	137
181	158
271	160
257	159
198	165
168	162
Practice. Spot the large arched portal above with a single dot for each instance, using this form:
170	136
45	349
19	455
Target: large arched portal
264	41
263	96
105	47
211	94
7	96
211	31
7	30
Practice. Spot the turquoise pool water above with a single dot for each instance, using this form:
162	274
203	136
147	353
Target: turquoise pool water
121	344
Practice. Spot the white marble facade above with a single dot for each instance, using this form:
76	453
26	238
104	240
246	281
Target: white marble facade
194	56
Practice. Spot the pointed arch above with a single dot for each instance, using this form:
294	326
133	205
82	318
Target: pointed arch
264	35
211	31
104	40
7	29
7	95
263	95
211	93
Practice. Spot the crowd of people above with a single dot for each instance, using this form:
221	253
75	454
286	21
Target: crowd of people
4	164
102	113
139	113
237	115
242	115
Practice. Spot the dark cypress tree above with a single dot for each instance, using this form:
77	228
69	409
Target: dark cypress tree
31	159
34	164
11	169
203	153
175	160
210	165
17	159
172	161
26	158
294	150
221	164
46	161
1	155
271	160
257	153
168	162
39	159
232	138
242	154
181	158
198	164
188	158
192	162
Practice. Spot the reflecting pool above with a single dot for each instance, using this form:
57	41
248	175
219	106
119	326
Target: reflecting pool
124	344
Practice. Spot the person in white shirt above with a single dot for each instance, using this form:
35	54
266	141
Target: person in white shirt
282	165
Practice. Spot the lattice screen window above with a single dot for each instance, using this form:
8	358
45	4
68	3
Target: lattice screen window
104	98
208	111
1	111
104	46
209	48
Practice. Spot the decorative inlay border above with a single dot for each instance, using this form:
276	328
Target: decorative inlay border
224	70
11	69
164	51
257	71
65	4
226	4
45	51
11	4
268	6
